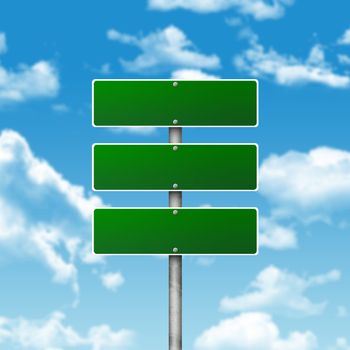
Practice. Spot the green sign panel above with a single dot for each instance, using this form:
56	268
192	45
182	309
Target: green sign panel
181	167
175	231
175	103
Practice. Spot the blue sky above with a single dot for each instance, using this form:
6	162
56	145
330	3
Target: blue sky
55	294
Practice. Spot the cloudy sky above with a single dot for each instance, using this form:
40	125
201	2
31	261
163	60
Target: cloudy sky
55	294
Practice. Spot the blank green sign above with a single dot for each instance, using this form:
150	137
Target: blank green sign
175	167
169	103
180	230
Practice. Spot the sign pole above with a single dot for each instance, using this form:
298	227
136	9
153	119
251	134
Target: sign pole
175	268
224	102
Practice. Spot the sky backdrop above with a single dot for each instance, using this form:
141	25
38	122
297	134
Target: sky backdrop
55	294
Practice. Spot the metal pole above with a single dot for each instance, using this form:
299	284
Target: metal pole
175	268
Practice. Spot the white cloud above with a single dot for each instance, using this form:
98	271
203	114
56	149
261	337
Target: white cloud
103	69
344	59
275	236
112	280
43	216
234	21
102	337
38	80
316	55
253	331
106	68
88	257
259	9
280	290
3	46
342	343
342	311
113	34
205	261
206	205
345	38
53	334
135	130
317	181
15	151
192	74
27	81
60	108
12	221
45	240
288	70
167	48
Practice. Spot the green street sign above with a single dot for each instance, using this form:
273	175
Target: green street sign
169	167
175	231
175	102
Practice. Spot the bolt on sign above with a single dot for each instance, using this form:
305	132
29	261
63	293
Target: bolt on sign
175	167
